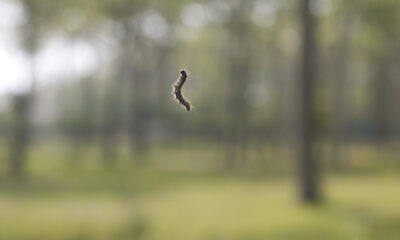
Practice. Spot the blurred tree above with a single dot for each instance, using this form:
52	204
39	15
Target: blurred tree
111	122
78	117
21	133
340	71
308	168
23	103
130	77
238	64
380	16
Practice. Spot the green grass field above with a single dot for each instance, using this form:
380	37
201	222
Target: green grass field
159	203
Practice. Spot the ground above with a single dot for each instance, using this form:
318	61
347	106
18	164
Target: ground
165	204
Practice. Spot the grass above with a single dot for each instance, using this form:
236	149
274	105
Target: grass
166	203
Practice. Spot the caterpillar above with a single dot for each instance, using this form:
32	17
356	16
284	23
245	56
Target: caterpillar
177	90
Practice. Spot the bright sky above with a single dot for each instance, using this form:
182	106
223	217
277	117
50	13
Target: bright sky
59	58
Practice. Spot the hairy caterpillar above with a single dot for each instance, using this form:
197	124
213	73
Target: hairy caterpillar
177	90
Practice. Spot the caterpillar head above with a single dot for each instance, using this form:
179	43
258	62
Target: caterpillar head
183	72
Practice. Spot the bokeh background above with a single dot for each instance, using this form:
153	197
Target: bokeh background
294	132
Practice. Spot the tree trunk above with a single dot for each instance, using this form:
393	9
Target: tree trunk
239	75
308	169
340	95
20	135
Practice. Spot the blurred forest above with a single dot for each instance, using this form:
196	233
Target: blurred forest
294	131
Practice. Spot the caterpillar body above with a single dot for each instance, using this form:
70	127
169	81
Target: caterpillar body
177	90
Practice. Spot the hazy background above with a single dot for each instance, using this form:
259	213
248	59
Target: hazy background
294	132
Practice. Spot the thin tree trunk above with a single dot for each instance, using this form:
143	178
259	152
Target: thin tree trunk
22	126
308	168
23	103
18	150
341	73
239	71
